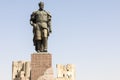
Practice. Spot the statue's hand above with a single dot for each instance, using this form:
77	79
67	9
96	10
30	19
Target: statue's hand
50	31
31	23
34	25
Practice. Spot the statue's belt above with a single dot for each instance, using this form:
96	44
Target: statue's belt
41	21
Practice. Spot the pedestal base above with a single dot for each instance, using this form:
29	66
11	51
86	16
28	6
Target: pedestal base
41	66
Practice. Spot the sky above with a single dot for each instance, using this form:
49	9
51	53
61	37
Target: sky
85	33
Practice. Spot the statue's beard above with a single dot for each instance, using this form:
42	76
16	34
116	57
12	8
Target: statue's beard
41	9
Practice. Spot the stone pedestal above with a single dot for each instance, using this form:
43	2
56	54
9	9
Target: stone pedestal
41	66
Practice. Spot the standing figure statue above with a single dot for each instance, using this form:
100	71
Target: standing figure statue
41	22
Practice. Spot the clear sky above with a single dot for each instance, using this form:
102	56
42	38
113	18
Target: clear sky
84	32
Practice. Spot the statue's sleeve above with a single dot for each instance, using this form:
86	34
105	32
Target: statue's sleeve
49	21
49	16
32	19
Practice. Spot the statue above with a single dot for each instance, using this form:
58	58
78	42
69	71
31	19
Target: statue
41	22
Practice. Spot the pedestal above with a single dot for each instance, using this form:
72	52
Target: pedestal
41	66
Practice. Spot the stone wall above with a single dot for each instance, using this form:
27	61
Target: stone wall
21	70
65	72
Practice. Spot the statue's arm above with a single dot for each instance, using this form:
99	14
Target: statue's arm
32	19
49	22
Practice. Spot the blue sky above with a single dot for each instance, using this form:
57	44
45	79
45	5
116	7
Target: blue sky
84	32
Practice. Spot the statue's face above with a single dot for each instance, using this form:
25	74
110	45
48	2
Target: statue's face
41	5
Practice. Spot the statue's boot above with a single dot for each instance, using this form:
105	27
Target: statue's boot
38	42
41	46
45	44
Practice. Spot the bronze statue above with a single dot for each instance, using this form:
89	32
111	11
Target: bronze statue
41	22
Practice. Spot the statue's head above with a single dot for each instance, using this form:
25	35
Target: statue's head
41	5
